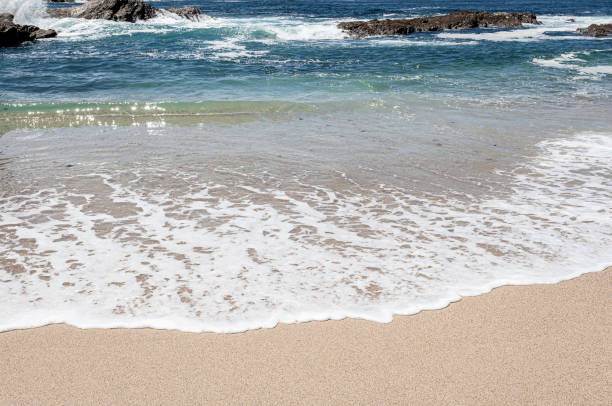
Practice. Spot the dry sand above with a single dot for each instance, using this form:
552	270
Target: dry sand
544	344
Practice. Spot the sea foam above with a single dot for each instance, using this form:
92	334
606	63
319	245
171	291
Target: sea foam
174	247
551	28
575	61
25	11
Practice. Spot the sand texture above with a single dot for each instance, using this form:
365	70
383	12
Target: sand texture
544	344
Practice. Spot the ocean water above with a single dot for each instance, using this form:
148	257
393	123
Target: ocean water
258	166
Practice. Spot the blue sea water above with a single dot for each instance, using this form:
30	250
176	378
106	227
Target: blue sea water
258	166
292	51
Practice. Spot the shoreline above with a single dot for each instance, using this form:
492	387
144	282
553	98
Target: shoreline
544	344
449	302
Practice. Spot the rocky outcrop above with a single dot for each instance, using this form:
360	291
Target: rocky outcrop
12	34
120	10
596	30
459	20
115	10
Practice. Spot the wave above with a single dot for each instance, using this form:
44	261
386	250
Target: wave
552	28
253	29
575	61
236	249
25	11
282	28
274	28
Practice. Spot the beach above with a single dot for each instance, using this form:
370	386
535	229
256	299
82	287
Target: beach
314	202
264	164
539	344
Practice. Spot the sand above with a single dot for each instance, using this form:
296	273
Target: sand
543	344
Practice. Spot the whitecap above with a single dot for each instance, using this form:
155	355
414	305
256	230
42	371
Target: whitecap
573	61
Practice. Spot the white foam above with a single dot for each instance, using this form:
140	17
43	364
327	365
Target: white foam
245	29
120	248
300	30
558	62
282	29
232	35
574	61
25	11
279	28
406	42
596	70
550	25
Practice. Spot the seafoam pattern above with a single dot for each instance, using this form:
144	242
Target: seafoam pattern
168	247
552	28
575	61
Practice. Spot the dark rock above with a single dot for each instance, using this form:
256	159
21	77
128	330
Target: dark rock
120	10
571	20
6	18
458	20
12	34
596	30
40	33
115	10
190	13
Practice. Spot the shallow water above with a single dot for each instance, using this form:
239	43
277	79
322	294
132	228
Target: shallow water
258	167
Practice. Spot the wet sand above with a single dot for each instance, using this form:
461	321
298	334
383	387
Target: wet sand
543	344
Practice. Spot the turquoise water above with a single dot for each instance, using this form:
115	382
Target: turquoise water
292	51
258	167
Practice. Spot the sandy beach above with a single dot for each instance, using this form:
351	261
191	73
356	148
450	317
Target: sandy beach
181	184
543	344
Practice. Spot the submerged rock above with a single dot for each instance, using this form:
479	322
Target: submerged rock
458	20
596	30
190	13
120	10
12	34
